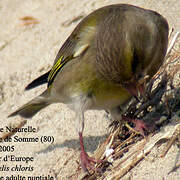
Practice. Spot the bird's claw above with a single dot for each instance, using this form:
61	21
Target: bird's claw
140	126
88	162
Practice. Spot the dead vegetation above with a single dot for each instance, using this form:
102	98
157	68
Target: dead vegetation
28	21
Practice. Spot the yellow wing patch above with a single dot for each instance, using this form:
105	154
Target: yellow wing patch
56	68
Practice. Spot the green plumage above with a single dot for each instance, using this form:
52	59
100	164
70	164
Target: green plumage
109	49
102	63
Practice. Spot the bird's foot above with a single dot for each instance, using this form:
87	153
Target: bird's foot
140	125
88	162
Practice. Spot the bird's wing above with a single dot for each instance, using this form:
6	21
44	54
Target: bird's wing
57	67
63	58
38	81
64	55
75	45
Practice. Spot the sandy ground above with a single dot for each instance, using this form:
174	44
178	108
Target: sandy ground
27	51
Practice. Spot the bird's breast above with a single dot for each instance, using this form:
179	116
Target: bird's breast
106	95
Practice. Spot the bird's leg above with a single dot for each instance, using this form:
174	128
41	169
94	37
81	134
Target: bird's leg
86	161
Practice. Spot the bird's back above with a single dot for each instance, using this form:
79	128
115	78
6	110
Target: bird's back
129	41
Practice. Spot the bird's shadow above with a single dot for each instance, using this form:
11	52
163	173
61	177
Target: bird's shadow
91	143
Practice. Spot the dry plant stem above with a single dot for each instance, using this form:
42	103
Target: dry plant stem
170	47
131	129
174	168
137	151
120	152
172	42
125	142
115	133
171	141
168	108
155	96
131	162
7	135
170	32
108	145
100	152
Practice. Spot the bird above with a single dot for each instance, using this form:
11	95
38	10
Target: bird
101	65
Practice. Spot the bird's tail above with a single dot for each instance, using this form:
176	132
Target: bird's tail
38	81
33	106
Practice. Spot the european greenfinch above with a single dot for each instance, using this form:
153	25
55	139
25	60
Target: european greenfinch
101	64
